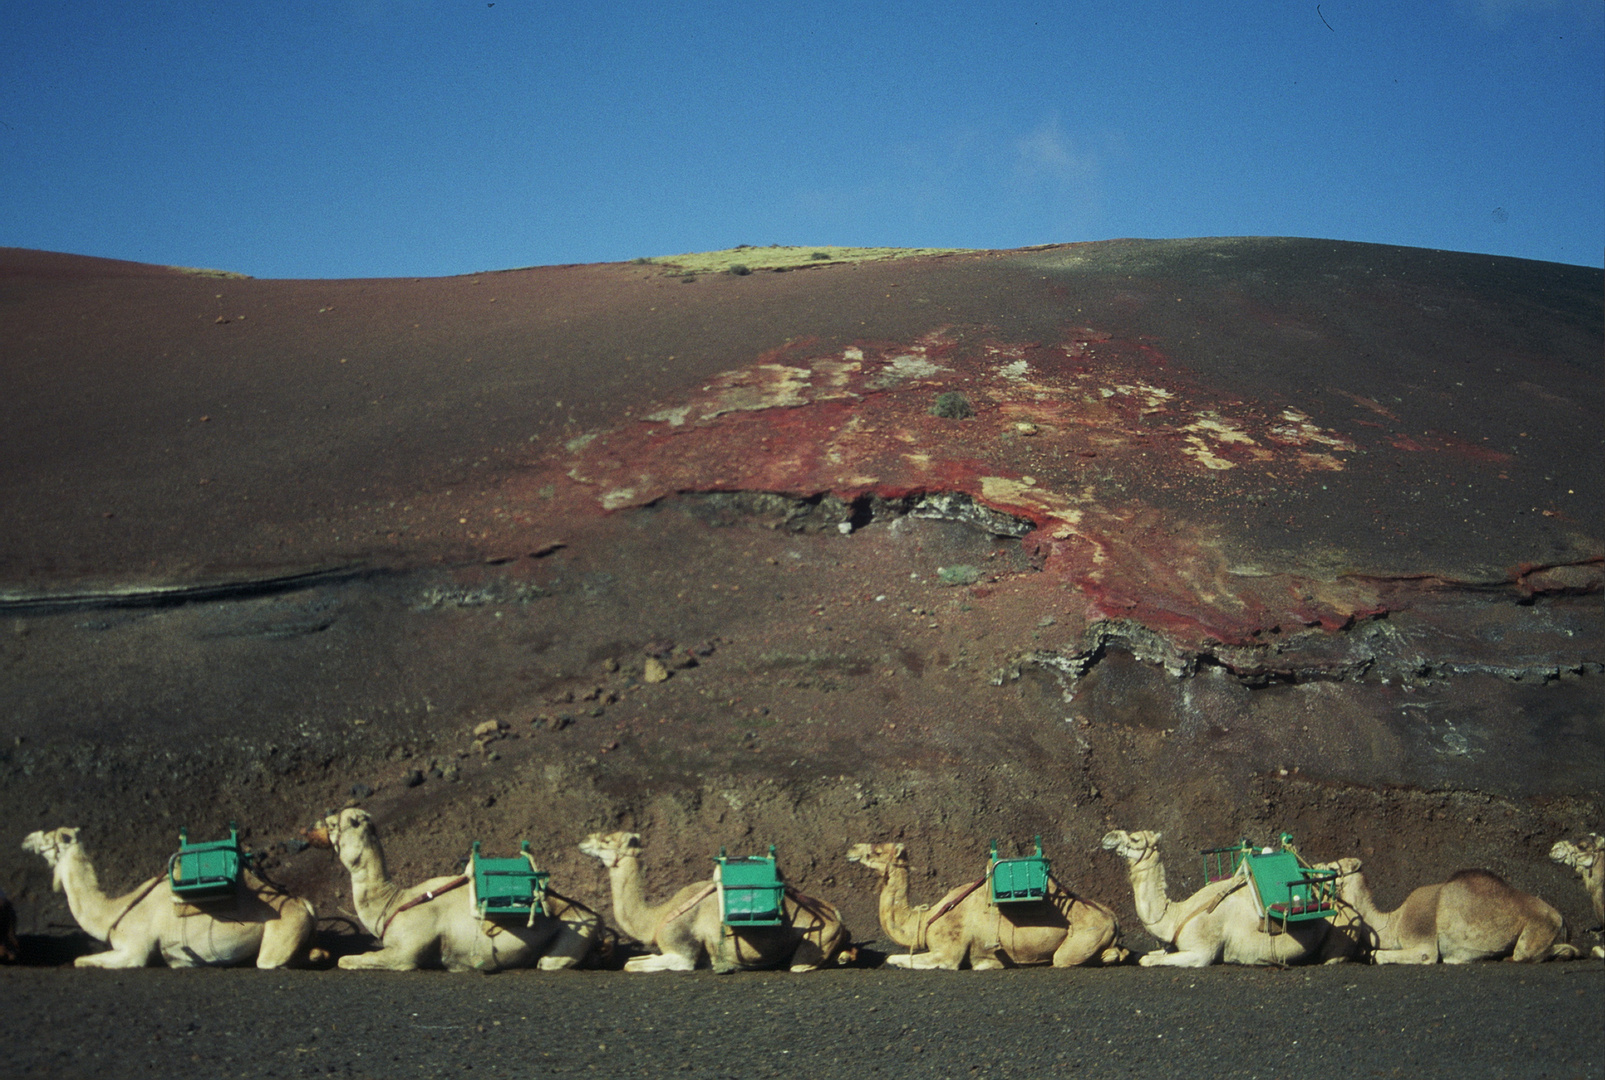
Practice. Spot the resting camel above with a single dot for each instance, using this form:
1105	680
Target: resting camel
687	926
8	930
1066	930
1219	923
1474	915
1587	857
435	925
262	922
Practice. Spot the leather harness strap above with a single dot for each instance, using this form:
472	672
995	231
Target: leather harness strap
701	895
949	905
422	898
1207	908
144	891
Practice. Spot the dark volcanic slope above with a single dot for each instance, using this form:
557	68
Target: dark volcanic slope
1218	536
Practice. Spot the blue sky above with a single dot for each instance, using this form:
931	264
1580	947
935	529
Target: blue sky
355	138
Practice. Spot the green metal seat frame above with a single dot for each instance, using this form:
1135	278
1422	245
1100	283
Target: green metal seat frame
1290	890
507	888
1019	880
206	870
750	890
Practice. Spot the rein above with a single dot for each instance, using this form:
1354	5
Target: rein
1206	909
132	904
423	898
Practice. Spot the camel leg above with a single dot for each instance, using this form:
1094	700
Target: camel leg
808	956
1419	955
282	941
925	961
1161	958
568	948
661	962
985	957
1537	943
113	959
382	960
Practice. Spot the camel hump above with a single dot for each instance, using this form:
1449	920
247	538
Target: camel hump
1481	882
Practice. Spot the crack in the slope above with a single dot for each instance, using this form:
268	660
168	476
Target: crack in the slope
1373	647
165	596
824	511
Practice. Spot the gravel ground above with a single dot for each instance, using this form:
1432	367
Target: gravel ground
1492	1020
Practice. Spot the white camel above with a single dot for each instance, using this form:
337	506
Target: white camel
434	924
1064	930
1220	923
1474	915
261	922
688	926
1587	857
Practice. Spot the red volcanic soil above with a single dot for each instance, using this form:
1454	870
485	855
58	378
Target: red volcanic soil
1219	537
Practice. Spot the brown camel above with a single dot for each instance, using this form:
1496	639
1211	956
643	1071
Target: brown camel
1474	915
1065	930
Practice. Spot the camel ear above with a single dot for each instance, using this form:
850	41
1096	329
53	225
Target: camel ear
899	848
632	841
1157	835
65	836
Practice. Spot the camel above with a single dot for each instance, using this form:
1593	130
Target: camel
688	926
1474	915
1587	857
262	922
435	925
1065	930
8	930
1219	923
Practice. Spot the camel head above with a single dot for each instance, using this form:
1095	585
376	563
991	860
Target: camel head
1134	846
878	857
1580	857
52	845
350	834
611	847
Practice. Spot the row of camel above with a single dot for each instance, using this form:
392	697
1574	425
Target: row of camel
1474	915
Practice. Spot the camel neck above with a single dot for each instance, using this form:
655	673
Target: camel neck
900	922
91	907
1356	892
372	891
635	916
1151	897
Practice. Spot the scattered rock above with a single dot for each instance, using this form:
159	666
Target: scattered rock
490	729
361	791
654	671
413	778
958	575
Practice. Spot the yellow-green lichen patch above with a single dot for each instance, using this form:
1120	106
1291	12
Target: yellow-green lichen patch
201	271
778	257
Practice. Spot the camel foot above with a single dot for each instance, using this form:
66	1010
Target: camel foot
992	964
660	962
803	967
1160	958
375	961
109	960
